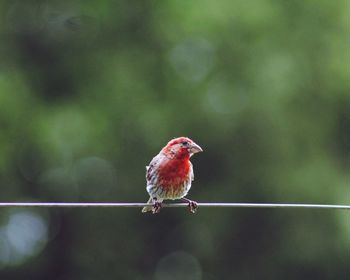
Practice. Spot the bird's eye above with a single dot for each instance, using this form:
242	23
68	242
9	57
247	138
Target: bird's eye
185	143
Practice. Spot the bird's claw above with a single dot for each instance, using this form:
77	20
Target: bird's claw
192	206
156	207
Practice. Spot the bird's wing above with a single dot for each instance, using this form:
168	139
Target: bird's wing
152	168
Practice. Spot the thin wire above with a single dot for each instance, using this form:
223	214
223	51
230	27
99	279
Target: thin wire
211	205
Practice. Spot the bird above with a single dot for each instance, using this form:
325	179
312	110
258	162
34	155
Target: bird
169	175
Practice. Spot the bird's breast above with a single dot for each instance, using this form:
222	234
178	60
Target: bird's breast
175	172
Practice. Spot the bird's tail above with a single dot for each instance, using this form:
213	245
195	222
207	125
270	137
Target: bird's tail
147	208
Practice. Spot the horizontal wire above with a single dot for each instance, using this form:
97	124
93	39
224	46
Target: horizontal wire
135	204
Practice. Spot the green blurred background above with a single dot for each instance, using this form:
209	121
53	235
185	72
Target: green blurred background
91	90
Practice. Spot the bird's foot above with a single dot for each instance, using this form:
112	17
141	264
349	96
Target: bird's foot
156	207
192	205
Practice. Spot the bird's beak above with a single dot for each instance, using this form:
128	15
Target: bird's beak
195	148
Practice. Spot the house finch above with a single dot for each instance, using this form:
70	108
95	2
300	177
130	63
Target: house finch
170	174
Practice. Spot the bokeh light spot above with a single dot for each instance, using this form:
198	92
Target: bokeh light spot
27	232
59	182
193	59
178	265
95	176
223	98
25	235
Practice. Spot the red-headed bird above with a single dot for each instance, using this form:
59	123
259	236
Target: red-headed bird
170	174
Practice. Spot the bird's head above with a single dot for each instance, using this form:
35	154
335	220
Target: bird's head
182	147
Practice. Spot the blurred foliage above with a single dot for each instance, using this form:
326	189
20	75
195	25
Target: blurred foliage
91	90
